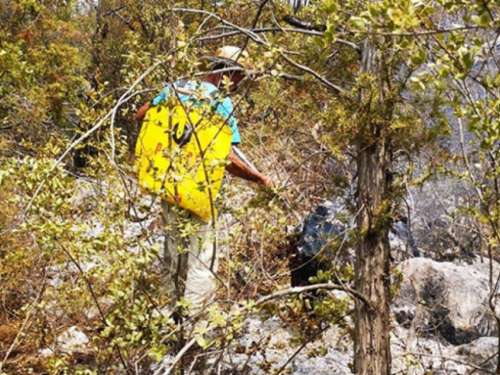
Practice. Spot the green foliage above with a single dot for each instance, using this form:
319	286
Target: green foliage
42	68
64	69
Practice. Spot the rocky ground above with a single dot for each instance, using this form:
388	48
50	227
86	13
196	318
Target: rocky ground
442	324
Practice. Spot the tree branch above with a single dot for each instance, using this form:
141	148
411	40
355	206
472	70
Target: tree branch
87	282
177	358
20	333
303	289
310	339
249	33
114	10
254	24
322	79
278	294
94	297
252	35
276	29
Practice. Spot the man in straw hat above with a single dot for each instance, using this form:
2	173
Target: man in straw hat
191	274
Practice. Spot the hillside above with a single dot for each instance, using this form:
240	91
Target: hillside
363	236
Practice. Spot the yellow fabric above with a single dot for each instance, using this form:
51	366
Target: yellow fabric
185	170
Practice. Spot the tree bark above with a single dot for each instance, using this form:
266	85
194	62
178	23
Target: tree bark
372	354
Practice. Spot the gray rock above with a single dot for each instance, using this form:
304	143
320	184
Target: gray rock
85	196
92	312
446	300
46	352
480	352
401	241
72	340
416	355
269	343
318	241
323	241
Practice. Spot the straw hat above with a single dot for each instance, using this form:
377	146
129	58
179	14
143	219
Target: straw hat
232	56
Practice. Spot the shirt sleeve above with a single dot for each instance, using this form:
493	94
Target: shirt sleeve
225	109
162	96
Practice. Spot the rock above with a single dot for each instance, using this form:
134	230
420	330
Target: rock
72	340
105	303
318	242
401	241
444	239
85	197
446	300
268	346
480	352
323	240
46	353
265	346
416	355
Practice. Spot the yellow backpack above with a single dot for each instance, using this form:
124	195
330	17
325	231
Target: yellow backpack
181	154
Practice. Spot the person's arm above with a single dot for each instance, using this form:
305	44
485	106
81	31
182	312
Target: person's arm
142	111
239	168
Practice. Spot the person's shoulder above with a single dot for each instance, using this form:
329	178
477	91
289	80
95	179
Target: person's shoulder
208	86
188	84
227	102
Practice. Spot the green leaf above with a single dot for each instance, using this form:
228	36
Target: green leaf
202	342
468	60
444	71
330	6
420	57
329	37
358	23
373	10
320	42
482	20
440	84
486	144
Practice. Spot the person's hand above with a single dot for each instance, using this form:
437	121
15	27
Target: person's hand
267	181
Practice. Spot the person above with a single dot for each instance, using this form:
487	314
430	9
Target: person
190	259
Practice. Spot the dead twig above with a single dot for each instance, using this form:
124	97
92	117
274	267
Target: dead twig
17	339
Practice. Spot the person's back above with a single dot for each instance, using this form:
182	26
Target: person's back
190	254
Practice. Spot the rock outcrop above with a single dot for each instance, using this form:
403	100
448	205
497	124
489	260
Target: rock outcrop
446	300
324	240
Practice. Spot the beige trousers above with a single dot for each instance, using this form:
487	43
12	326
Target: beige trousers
190	259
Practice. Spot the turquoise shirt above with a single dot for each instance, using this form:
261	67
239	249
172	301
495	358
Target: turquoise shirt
224	109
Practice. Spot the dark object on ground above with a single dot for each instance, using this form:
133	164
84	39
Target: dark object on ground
325	241
302	24
315	243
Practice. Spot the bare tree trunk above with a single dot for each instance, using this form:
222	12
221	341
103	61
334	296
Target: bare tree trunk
372	354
